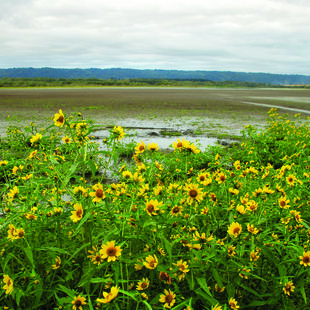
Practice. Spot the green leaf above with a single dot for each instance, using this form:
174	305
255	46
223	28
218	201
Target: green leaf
98	280
69	173
250	290
92	167
67	291
208	299
19	294
147	305
84	219
203	284
29	255
76	252
168	248
217	277
301	284
128	294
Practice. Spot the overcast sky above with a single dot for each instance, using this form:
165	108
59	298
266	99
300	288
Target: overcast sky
228	35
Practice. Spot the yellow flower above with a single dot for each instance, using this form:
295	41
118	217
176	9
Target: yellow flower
8	287
152	147
168	298
30	216
252	205
95	256
84	191
288	288
235	229
98	194
183	269
127	175
241	209
140	148
78	213
193	149
36	138
78	302
254	256
221	177
118	133
59	119
194	193
233	304
32	154
13	193
57	263
217	307
231	251
151	262
163	276
181	145
66	139
3	163
219	289
152	206
108	297
11	232
233	191
305	259
252	229
110	251
143	285
19	233
14	170
291	180
284	202
176	210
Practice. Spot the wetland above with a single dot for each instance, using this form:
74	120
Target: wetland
156	114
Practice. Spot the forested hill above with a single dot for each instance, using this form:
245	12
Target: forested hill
119	73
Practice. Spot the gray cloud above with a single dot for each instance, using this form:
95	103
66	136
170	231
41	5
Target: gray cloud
240	35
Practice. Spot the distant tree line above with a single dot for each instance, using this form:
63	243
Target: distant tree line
88	82
157	74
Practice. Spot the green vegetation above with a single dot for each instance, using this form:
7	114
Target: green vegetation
186	229
92	82
170	133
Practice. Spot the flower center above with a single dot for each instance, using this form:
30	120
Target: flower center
306	259
175	210
78	303
111	251
144	285
99	193
179	144
193	193
150	208
201	178
169	299
60	119
236	230
79	213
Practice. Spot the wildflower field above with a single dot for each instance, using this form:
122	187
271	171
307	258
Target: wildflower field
221	228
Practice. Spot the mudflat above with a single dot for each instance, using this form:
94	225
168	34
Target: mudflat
209	109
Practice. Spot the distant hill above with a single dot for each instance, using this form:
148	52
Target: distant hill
120	73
